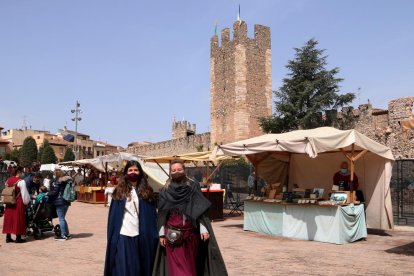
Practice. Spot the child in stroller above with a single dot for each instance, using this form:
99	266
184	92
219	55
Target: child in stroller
41	214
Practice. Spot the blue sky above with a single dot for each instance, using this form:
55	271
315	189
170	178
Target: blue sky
134	65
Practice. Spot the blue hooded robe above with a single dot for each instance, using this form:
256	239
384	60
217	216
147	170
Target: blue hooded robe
148	235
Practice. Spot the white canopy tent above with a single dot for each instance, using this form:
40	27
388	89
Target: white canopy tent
309	159
116	161
52	167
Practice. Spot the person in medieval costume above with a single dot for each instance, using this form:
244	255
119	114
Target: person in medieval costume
187	243
14	215
132	236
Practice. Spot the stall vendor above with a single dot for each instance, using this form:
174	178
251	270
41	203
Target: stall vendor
342	179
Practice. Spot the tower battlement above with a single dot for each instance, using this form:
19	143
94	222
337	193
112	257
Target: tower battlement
261	37
182	129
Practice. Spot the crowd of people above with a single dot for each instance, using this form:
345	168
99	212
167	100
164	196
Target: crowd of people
31	189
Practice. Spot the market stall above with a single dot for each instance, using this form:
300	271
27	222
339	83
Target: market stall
307	159
212	191
113	162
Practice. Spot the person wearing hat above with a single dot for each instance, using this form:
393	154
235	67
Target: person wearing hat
62	206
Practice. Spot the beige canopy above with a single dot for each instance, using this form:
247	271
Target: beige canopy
309	159
204	156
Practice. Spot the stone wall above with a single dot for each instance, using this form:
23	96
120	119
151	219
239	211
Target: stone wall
398	138
383	126
188	144
241	84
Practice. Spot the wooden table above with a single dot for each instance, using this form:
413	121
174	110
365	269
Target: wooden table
90	194
216	199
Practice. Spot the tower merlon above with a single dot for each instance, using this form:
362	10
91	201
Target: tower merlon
262	35
239	31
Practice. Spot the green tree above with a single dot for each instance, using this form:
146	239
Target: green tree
40	152
48	155
69	155
28	152
306	93
13	155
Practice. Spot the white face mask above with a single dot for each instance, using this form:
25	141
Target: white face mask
344	171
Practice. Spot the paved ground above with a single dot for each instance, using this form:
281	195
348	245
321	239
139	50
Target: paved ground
245	253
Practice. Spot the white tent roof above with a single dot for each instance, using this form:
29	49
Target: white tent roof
309	141
52	167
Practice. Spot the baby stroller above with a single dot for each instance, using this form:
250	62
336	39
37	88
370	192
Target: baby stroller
40	219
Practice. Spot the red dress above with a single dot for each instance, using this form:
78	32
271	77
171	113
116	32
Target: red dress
14	216
182	259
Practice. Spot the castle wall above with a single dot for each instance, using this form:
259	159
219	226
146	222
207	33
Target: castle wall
176	146
390	127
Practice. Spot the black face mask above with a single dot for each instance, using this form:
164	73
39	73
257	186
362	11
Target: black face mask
133	177
178	177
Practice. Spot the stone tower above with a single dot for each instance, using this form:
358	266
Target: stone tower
182	129
240	83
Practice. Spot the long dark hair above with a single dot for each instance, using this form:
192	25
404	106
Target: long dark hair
16	170
124	188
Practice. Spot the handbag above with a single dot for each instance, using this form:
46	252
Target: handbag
174	236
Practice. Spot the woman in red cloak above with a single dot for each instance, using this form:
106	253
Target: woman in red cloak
14	215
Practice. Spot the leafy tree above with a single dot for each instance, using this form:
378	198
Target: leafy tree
28	152
13	155
48	155
308	90
69	155
40	152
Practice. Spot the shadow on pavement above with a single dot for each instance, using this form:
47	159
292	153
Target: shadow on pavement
232	226
82	235
378	232
407	249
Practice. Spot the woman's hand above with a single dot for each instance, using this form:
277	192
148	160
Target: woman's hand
163	241
205	236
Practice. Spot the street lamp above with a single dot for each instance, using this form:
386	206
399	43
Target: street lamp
77	111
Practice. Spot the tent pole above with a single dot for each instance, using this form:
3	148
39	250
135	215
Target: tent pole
218	166
161	168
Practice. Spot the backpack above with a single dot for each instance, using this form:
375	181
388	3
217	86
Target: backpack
69	193
9	194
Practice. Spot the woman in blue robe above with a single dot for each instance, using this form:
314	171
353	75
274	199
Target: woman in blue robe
132	236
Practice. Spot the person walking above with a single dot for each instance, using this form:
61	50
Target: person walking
62	206
132	225
187	245
14	215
